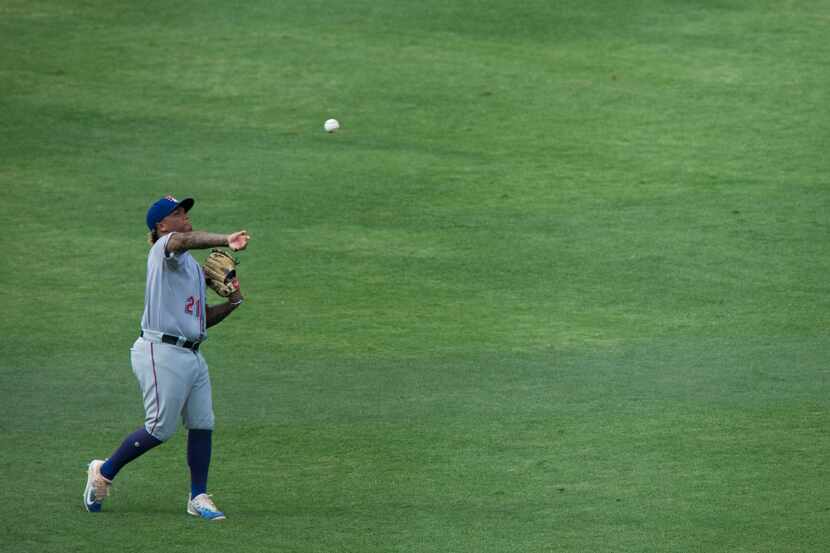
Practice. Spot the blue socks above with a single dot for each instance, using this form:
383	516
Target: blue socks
199	445
135	445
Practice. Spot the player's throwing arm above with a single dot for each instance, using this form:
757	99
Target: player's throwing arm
199	240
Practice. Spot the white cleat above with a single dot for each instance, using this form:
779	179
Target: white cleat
203	506
97	487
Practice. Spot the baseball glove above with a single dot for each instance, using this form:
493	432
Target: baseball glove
220	272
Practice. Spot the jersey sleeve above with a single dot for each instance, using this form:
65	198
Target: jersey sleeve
161	255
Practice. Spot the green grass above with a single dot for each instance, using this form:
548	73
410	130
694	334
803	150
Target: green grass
559	284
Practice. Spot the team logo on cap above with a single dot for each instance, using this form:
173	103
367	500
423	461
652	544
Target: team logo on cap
171	198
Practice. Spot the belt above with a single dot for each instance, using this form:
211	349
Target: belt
177	341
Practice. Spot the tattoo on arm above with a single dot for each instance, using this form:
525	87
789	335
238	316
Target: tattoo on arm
196	240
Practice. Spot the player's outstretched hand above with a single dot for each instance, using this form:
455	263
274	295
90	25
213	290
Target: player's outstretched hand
238	240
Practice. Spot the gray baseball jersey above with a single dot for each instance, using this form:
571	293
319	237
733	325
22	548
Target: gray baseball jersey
174	297
174	380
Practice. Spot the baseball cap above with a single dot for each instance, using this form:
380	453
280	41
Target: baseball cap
164	207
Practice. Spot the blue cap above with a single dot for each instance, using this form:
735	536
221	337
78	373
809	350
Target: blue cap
165	207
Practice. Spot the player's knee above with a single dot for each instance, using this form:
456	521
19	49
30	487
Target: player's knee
162	433
201	422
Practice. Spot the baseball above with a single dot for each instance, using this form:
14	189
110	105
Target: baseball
331	125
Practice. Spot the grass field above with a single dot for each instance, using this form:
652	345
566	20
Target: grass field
559	284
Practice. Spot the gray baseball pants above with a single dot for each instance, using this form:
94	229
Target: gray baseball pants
174	382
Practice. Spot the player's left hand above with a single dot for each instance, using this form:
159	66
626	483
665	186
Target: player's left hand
238	240
220	272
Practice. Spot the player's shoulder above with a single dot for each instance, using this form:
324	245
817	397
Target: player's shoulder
159	247
158	252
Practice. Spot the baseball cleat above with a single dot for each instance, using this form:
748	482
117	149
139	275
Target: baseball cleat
202	506
97	487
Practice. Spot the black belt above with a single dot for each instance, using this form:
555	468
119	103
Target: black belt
174	341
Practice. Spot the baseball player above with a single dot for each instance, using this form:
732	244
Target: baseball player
166	360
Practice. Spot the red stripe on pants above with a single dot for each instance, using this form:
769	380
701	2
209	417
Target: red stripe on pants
156	386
